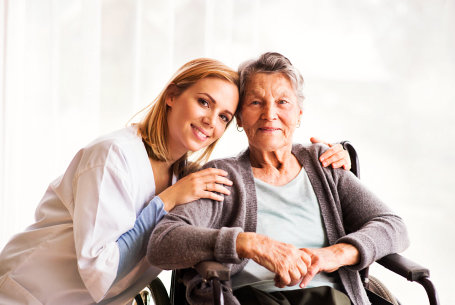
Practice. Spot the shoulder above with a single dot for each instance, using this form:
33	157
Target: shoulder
115	149
232	163
302	151
308	156
238	167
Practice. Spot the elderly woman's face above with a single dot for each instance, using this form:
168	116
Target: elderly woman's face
270	112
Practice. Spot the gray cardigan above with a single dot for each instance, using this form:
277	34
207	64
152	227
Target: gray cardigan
207	230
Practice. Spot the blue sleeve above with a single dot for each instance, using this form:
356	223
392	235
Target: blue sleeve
133	243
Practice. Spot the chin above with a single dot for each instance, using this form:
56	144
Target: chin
271	146
194	147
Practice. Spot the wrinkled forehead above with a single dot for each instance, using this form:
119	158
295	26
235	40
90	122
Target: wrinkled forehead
261	84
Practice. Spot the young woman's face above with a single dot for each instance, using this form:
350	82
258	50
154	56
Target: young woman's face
199	115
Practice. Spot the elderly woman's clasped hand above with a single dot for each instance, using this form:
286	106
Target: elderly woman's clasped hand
289	263
329	259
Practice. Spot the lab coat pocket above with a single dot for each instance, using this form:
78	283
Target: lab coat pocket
12	293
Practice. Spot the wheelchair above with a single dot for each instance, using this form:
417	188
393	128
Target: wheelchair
215	273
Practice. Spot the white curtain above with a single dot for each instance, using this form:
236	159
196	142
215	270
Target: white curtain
379	73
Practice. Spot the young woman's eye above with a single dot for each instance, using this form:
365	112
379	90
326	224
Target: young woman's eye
225	118
203	102
255	103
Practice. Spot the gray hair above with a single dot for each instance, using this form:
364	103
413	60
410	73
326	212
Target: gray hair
271	62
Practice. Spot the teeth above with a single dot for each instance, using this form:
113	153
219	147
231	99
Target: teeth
201	134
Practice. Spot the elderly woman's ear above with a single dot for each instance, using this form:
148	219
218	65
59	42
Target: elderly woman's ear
238	120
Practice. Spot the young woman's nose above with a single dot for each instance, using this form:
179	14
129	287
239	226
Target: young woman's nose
209	118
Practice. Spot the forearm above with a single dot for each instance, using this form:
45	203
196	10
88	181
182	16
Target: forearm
345	254
132	244
381	236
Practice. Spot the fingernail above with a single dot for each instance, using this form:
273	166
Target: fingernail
324	164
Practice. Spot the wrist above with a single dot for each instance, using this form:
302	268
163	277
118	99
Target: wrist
348	254
243	244
168	201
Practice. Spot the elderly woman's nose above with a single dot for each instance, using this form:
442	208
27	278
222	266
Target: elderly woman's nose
269	112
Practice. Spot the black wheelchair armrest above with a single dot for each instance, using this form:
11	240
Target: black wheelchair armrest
412	272
404	267
355	167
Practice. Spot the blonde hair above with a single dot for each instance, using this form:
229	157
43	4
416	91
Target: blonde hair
153	127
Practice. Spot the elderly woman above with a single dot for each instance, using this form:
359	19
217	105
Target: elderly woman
288	223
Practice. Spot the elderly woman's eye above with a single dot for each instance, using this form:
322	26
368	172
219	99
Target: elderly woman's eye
282	102
203	102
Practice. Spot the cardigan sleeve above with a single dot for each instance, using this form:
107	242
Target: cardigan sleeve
178	242
370	224
197	231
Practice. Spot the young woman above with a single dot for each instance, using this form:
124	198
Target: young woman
92	226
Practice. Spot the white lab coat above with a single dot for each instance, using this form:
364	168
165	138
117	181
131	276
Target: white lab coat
70	255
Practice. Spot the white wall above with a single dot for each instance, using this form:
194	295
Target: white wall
379	73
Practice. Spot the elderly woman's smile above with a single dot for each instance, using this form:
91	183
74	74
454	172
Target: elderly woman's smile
270	112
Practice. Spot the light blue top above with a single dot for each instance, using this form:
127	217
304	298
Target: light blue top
132	244
289	213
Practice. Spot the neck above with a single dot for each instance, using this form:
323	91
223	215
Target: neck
274	167
277	159
161	166
162	175
175	154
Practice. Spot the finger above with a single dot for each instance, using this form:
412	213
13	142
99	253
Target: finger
347	166
211	195
339	156
282	280
278	282
302	267
315	140
211	171
343	159
214	187
342	163
312	271
218	179
295	276
305	256
338	164
329	152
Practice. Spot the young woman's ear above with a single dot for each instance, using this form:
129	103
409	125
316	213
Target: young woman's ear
172	93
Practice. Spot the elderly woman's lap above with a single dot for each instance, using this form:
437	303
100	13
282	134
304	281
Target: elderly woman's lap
318	295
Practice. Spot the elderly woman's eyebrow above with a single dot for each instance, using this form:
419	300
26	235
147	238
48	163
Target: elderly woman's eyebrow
255	92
